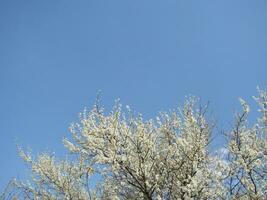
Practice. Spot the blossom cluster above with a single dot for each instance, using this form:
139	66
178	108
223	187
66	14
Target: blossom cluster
162	159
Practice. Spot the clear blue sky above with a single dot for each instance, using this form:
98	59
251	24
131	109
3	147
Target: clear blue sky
56	54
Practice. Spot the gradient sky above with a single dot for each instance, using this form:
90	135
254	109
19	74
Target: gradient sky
56	54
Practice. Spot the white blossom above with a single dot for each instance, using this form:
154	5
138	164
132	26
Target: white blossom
165	158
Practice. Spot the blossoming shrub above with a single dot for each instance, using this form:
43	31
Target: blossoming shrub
165	158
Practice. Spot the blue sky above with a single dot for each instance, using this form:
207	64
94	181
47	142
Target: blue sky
56	54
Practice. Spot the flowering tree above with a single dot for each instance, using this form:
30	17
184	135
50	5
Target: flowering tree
247	157
165	158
